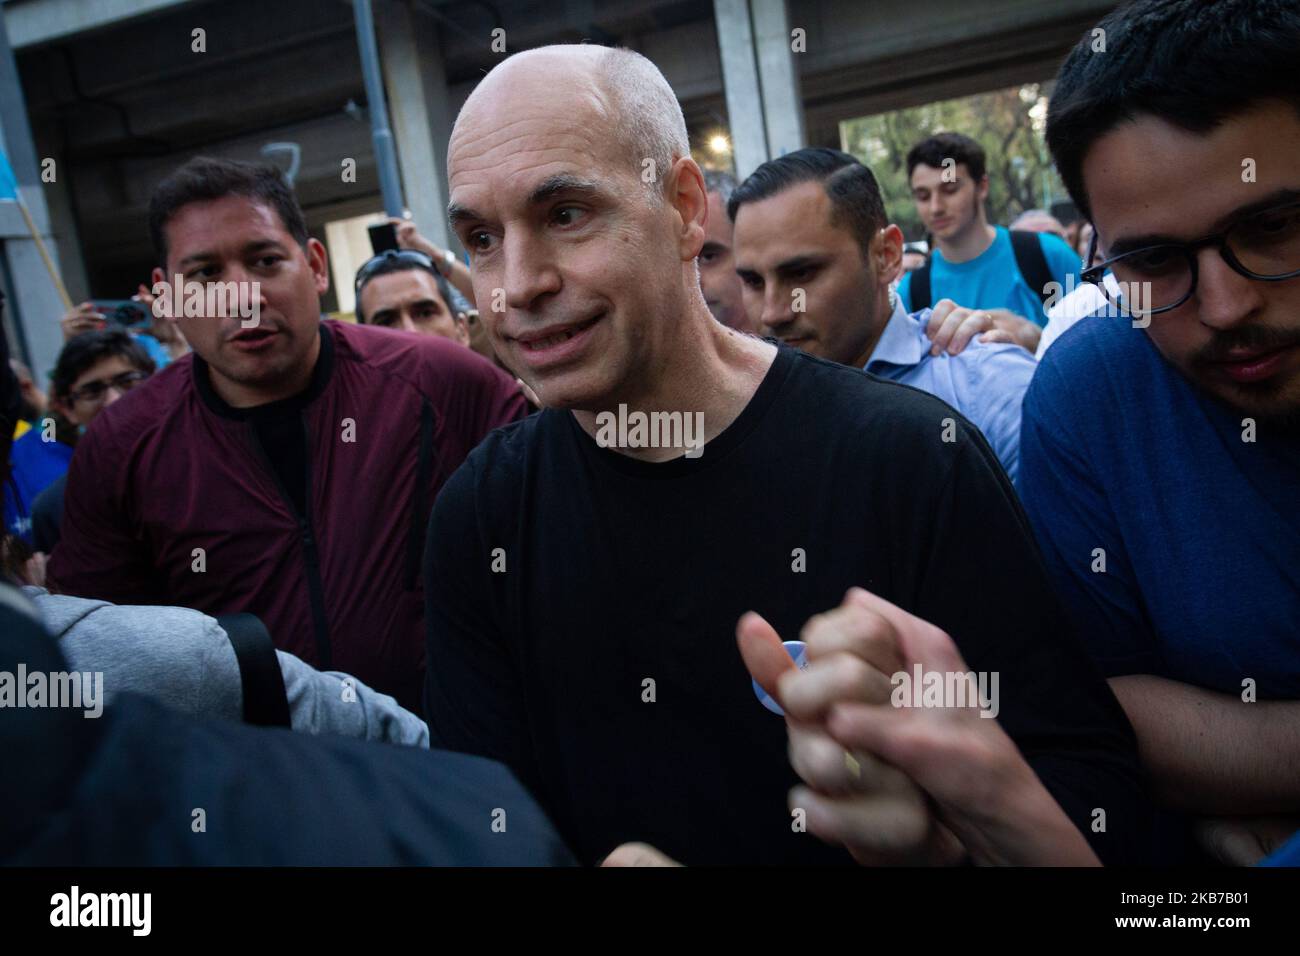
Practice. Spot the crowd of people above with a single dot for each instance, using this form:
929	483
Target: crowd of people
1059	461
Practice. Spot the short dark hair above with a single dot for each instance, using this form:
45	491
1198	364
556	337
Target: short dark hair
960	149
855	197
1190	63
83	351
203	179
454	301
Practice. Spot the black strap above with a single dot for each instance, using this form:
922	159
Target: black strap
919	290
420	499
1032	264
266	703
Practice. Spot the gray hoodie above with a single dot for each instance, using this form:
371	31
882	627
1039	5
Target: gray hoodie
183	659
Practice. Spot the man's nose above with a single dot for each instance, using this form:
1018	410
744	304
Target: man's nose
1224	297
408	322
112	394
777	311
529	272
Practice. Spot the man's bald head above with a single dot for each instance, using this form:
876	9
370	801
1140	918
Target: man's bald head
621	89
572	189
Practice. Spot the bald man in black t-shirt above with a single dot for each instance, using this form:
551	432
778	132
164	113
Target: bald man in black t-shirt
586	568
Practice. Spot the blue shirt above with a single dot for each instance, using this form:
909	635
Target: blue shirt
1200	529
986	382
992	280
161	357
35	464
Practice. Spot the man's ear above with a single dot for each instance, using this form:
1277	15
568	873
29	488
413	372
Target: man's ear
982	188
462	328
318	260
685	192
889	253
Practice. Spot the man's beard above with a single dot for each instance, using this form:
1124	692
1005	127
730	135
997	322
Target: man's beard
1258	400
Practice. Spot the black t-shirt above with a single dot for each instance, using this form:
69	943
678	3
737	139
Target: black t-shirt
283	437
619	571
280	429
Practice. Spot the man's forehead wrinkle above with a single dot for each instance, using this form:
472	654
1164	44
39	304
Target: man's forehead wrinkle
473	150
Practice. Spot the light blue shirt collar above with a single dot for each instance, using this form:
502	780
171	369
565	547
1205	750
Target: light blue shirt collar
900	343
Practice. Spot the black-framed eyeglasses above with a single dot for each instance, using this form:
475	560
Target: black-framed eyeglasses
1154	279
374	263
95	391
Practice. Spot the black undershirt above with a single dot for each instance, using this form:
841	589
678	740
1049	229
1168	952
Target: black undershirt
278	426
561	576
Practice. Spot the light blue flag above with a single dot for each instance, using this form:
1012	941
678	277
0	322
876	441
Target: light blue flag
8	185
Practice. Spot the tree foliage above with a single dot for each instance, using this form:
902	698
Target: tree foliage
1007	123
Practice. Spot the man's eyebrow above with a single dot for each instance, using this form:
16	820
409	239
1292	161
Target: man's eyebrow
711	246
207	255
545	191
799	262
548	189
1277	197
457	214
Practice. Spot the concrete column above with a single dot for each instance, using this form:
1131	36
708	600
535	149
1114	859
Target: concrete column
35	308
740	85
420	111
782	103
764	108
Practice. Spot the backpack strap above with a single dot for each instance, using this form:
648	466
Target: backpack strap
1032	263
266	703
919	289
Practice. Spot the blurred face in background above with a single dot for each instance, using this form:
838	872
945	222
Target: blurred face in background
409	300
242	240
98	387
718	280
948	209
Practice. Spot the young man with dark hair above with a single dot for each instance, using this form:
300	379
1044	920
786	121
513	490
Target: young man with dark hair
403	290
1160	452
972	262
94	369
817	260
584	581
288	465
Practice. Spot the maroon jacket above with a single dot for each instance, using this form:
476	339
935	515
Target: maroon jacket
167	469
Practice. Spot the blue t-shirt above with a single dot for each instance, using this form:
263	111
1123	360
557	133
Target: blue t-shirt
34	464
1200	529
160	356
992	280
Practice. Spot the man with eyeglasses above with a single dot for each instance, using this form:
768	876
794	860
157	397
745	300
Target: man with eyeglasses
93	370
1160	448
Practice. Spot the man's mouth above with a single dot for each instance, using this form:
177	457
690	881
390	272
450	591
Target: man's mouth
796	339
249	340
1247	366
556	342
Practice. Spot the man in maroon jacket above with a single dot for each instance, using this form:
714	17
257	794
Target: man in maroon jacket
288	466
